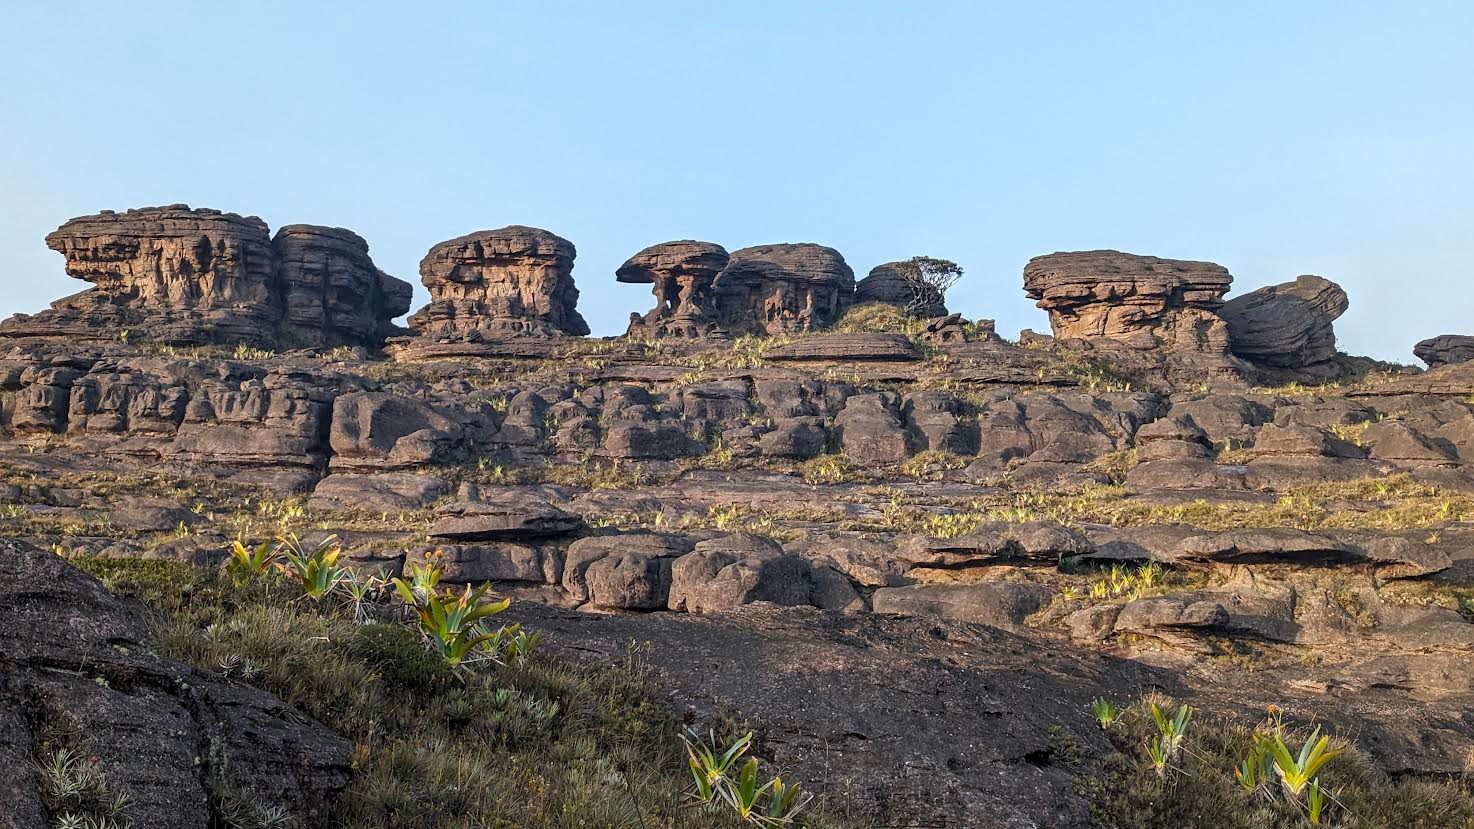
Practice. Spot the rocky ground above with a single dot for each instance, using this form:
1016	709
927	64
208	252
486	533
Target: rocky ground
913	564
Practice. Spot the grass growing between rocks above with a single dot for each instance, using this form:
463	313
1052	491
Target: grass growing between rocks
1201	783
538	743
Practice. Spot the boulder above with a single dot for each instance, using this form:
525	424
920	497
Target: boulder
781	289
892	284
381	492
681	275
143	720
1445	349
727	572
870	431
629	570
1174	438
1287	326
1142	301
997	603
514	281
492	514
332	292
496	562
1403	445
379	430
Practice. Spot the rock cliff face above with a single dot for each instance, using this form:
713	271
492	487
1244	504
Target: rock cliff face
681	275
1445	349
333	293
888	283
1142	301
199	277
514	281
776	289
1286	326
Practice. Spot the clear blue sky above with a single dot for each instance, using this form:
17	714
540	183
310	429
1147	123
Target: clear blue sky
1276	138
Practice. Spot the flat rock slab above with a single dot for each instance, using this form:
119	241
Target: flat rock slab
880	347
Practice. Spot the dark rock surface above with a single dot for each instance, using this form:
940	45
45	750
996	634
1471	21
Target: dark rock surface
1286	326
159	731
1445	349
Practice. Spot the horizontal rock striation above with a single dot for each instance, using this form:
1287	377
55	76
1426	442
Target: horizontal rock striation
1445	349
513	281
184	276
681	275
1142	301
1286	326
778	289
890	284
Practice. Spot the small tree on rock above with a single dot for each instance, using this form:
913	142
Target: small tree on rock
929	280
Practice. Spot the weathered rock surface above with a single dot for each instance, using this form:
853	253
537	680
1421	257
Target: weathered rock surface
74	661
778	289
1445	349
1287	326
198	277
513	281
891	284
839	347
1142	301
681	275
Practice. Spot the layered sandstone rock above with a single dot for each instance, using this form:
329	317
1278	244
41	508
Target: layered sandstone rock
891	284
1286	326
514	281
681	275
197	277
776	289
1142	301
333	293
1445	349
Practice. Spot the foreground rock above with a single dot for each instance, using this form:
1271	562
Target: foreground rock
200	277
1286	326
172	738
1142	301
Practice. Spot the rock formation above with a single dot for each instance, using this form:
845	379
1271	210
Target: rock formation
197	277
777	289
1287	326
890	284
333	293
1445	349
681	275
1142	301
515	281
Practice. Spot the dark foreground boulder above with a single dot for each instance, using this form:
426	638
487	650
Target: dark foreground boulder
76	674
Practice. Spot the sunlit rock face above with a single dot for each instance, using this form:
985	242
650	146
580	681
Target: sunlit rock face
681	275
778	289
890	284
185	276
514	281
1143	301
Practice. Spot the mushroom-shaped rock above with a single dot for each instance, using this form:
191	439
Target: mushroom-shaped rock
775	289
333	293
1286	326
496	283
892	284
1143	301
681	275
1445	349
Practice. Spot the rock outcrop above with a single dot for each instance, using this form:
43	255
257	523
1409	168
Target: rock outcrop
890	284
1287	326
514	281
1142	301
681	275
1445	349
188	277
333	294
76	673
778	289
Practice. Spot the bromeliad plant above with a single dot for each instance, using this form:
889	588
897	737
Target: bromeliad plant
247	563
1297	772
771	804
1170	731
453	623
317	570
1106	713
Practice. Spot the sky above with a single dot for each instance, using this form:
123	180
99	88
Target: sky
1275	138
